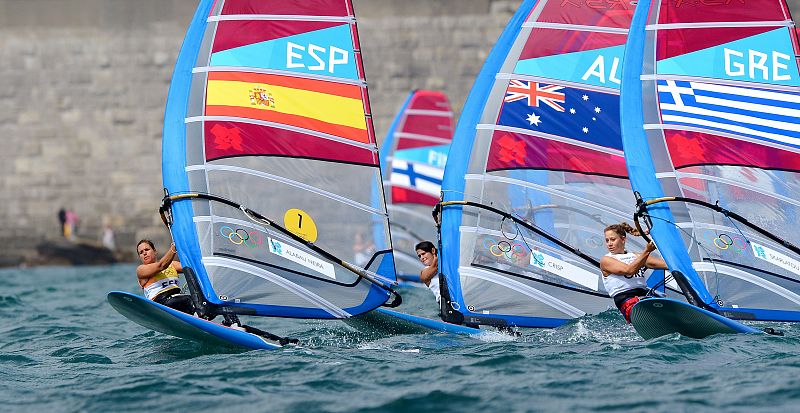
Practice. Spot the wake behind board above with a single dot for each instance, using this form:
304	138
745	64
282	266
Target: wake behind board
175	323
394	322
656	317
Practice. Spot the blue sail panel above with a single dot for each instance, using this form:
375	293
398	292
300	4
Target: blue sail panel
302	55
604	67
764	58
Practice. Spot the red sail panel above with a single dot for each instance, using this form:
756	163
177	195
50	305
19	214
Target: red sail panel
440	127
235	33
410	196
696	148
231	139
676	42
429	100
288	7
435	125
616	14
518	151
691	11
550	42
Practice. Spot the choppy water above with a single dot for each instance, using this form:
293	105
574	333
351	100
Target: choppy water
64	349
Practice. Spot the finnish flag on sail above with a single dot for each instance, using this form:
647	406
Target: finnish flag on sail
763	114
420	177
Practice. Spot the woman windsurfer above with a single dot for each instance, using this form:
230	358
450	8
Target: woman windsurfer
159	277
429	275
623	271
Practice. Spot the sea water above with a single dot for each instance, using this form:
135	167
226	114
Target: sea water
64	349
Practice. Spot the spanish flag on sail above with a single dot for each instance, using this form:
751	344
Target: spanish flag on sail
332	108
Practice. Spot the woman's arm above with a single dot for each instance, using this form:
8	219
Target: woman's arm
429	272
178	266
656	263
611	265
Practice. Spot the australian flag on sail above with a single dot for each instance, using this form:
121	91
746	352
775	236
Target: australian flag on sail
762	114
579	114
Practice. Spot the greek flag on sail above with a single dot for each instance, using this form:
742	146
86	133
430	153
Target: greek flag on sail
762	114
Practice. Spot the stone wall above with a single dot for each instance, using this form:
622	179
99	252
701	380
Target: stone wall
84	84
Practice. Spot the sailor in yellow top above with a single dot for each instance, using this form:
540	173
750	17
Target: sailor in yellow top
159	277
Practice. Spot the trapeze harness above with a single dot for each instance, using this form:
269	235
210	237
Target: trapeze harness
164	289
625	290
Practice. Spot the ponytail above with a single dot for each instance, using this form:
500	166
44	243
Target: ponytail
622	229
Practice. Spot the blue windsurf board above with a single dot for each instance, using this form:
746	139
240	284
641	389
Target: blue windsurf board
172	322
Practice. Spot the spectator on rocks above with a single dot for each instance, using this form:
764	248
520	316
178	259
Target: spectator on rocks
62	218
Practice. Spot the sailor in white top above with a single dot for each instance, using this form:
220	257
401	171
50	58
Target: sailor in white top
429	275
623	272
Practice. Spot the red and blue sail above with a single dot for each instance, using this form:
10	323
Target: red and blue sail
538	140
711	98
414	154
268	109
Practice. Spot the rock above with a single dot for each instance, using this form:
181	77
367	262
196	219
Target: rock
75	253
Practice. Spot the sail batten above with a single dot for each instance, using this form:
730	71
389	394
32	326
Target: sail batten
549	190
267	275
290	182
477	273
732	183
417	136
593	88
714	25
576	27
718	82
212	69
254	17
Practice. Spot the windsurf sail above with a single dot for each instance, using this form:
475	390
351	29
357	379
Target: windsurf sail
414	155
710	105
270	158
536	171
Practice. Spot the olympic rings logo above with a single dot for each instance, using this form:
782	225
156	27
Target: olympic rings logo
241	236
593	242
725	242
505	248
